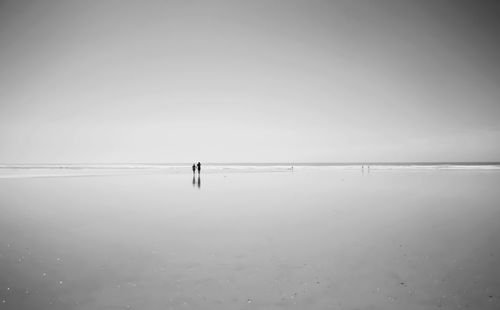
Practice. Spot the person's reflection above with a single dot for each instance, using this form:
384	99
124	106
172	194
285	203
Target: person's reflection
199	181
194	181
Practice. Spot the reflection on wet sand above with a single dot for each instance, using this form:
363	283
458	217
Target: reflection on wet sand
199	181
309	240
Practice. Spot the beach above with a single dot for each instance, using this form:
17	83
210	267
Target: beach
265	237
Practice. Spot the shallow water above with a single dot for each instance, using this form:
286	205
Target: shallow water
272	239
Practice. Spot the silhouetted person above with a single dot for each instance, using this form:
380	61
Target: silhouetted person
199	181
194	168
199	167
194	181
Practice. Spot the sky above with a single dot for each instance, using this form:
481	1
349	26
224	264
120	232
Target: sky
249	81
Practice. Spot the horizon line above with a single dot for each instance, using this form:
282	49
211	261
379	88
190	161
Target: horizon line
302	163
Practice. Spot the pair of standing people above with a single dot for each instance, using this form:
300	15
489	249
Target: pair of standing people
198	165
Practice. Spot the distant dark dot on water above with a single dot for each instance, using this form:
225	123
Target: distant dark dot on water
491	296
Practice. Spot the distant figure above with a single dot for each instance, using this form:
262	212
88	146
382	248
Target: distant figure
194	182
199	181
199	167
194	168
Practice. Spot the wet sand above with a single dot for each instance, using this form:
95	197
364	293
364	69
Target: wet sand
308	239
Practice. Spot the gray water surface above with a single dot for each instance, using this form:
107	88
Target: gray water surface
271	239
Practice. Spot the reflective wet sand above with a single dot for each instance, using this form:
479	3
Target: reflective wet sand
308	239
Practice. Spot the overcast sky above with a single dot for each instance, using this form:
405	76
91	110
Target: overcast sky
249	81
